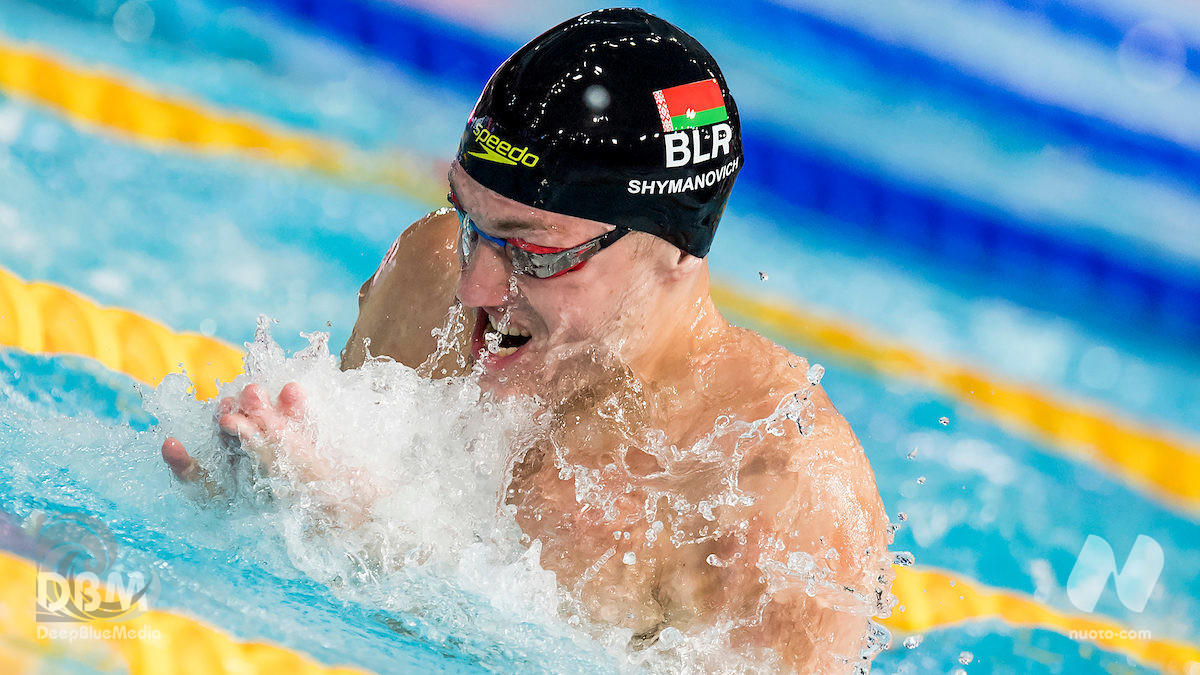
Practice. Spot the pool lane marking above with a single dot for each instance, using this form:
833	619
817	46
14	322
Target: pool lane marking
137	113
1166	467
186	645
933	599
39	317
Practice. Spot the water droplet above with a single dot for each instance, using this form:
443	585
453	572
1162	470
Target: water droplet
713	560
134	21
944	421
629	558
903	559
670	636
913	641
912	455
965	657
815	372
921	480
762	276
902	516
597	98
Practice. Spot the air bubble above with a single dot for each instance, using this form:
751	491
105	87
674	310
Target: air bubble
913	641
762	276
629	558
944	421
965	657
921	480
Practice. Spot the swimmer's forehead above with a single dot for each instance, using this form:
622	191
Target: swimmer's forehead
508	219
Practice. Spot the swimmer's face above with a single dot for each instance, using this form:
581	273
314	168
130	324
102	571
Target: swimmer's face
599	310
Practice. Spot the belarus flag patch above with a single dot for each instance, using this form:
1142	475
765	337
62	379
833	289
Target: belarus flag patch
691	105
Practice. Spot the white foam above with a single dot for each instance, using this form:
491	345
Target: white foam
401	505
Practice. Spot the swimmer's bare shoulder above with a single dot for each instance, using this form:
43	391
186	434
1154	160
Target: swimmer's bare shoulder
814	492
408	296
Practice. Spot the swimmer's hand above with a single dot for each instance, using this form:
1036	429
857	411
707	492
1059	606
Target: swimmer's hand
280	437
251	424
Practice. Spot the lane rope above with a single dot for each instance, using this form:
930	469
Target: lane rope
137	113
46	318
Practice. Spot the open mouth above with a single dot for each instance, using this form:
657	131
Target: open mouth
498	339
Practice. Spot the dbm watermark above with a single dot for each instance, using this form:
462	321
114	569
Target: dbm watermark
1096	563
79	578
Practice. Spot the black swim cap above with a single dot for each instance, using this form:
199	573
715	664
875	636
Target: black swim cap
615	116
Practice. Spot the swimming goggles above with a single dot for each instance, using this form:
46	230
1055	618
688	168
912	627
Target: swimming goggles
540	262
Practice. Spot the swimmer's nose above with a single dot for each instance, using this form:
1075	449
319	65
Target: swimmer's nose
483	282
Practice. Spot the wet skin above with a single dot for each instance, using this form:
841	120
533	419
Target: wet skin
633	330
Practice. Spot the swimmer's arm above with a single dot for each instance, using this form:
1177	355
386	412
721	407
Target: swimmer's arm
408	296
825	499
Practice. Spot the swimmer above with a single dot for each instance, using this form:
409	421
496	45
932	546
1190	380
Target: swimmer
582	203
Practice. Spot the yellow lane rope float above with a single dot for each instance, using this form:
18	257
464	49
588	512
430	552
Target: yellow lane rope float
45	318
1166	467
107	101
169	643
146	350
950	601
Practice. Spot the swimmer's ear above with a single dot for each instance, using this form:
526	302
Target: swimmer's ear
686	263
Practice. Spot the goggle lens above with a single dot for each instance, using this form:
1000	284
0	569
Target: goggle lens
540	263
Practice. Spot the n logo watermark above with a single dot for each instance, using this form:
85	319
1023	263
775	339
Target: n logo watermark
1134	582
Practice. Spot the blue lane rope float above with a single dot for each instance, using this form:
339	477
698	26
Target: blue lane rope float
1092	21
950	231
1119	144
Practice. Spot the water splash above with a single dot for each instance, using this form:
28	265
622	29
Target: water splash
436	504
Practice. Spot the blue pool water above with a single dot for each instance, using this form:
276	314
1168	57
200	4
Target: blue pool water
207	244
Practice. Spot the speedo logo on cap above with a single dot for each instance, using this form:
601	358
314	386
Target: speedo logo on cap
494	149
